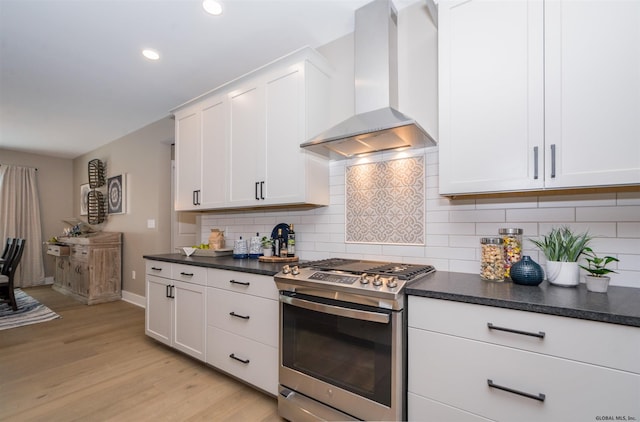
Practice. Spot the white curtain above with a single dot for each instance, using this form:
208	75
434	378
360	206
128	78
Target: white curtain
20	217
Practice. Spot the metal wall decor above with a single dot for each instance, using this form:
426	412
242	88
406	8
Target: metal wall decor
96	173
96	204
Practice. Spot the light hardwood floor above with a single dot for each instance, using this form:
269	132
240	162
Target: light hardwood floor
96	364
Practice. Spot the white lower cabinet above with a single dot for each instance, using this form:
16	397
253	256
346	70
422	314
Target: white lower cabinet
242	327
461	369
175	308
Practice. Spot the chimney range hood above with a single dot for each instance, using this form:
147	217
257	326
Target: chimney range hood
377	124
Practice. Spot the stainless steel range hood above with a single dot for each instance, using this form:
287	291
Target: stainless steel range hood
377	125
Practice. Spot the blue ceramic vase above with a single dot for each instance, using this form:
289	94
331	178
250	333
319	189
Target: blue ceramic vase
527	272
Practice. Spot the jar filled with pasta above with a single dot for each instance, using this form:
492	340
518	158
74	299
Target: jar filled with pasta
512	244
492	259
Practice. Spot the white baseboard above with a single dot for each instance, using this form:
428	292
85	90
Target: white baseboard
135	299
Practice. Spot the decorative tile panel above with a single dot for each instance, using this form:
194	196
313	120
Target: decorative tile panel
384	202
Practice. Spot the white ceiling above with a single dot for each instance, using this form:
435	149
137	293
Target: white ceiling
72	77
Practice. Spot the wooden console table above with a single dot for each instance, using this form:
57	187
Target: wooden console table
89	267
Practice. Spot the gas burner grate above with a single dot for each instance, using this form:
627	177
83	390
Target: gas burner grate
403	271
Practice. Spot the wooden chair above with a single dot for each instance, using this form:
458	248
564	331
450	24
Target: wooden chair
8	272
7	248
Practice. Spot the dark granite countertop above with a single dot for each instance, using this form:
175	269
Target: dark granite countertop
222	263
620	305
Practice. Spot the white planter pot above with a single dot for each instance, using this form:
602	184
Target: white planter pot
563	273
597	284
267	252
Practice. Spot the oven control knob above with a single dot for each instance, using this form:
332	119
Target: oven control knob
392	282
364	278
377	281
286	269
295	270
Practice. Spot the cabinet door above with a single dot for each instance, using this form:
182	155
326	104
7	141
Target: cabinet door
189	301
159	309
491	95
79	277
105	278
188	160
285	119
214	153
247	145
592	92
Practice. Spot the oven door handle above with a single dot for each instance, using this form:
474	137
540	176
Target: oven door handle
336	310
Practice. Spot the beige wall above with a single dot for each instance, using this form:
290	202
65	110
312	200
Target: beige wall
145	157
56	189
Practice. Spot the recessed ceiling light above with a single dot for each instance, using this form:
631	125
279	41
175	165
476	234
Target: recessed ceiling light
150	54
212	6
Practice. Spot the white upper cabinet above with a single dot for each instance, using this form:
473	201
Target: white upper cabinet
188	150
538	95
258	125
201	145
592	92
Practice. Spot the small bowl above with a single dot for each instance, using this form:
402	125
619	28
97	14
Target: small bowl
189	251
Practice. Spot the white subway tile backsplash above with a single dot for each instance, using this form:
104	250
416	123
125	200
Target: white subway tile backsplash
628	229
619	213
454	226
481	216
629	198
541	214
580	200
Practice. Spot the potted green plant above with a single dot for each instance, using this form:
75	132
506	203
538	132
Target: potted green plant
266	246
562	248
597	280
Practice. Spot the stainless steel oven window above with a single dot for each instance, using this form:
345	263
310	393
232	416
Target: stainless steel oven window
350	353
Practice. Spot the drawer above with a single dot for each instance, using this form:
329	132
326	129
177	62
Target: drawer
582	340
254	362
58	250
455	371
158	268
423	409
249	316
189	273
80	252
253	284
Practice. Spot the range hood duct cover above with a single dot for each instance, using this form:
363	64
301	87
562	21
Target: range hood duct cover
377	124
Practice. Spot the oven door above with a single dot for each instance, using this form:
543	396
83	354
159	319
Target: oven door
346	356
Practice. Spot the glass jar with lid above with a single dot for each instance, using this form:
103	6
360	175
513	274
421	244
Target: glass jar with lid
512	244
492	259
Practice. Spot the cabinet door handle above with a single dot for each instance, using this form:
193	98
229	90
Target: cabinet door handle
233	314
539	334
256	191
193	197
242	283
187	274
167	291
535	163
172	290
539	396
156	269
553	160
262	190
233	356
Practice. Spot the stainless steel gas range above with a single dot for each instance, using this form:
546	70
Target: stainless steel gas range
342	331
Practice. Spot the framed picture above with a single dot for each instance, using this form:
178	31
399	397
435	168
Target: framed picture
117	194
84	199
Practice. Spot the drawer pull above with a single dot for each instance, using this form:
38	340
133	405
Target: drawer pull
187	274
539	334
539	397
242	283
233	314
156	269
233	356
